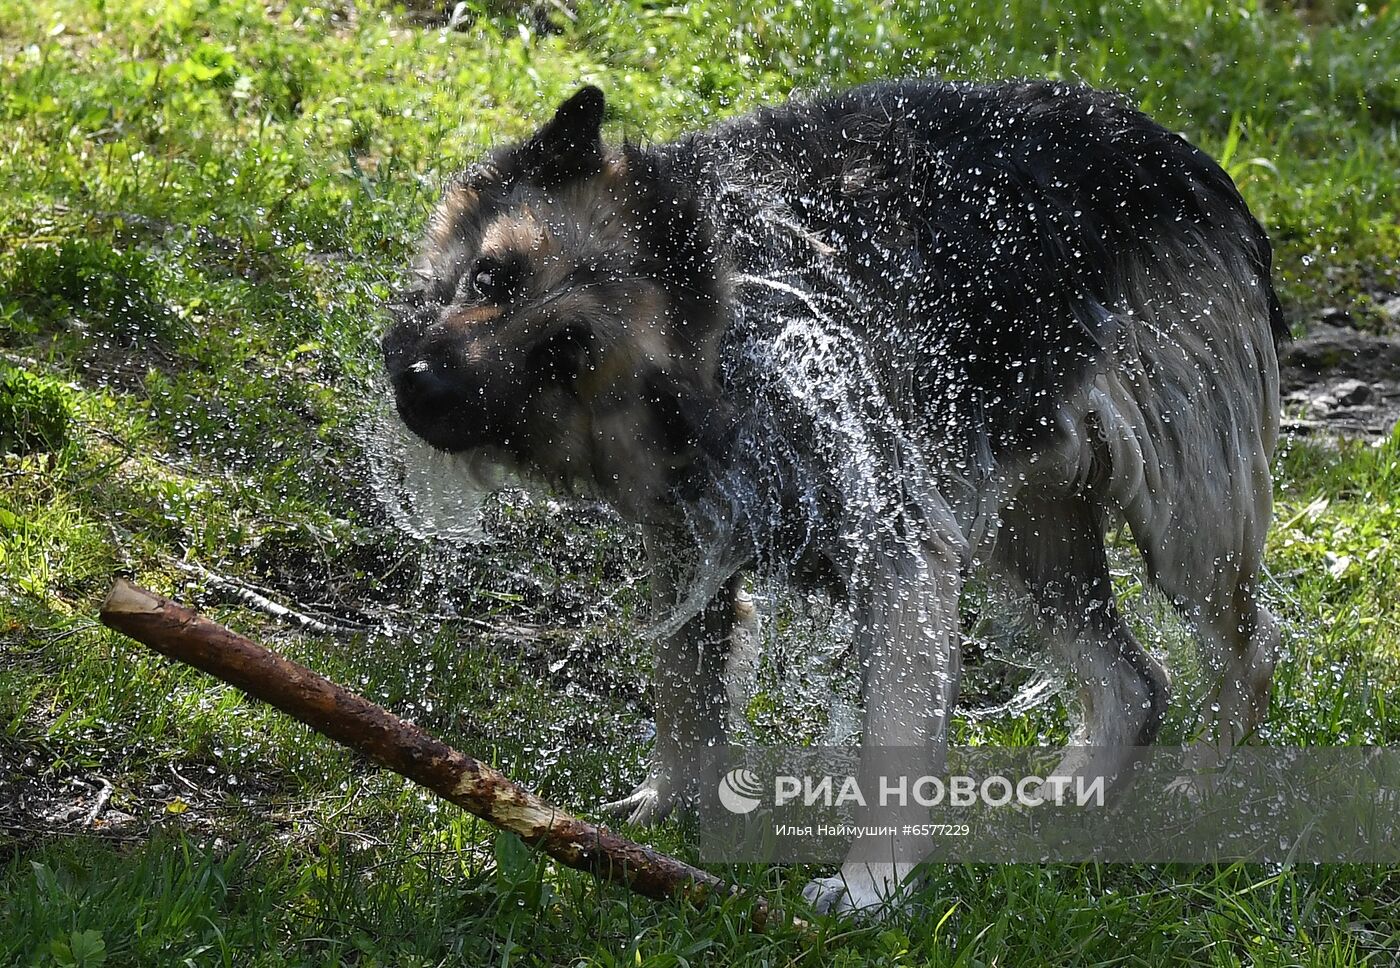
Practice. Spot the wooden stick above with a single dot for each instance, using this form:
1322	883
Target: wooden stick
175	631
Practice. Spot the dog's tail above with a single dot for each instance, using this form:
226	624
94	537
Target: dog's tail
1261	254
1262	258
1277	322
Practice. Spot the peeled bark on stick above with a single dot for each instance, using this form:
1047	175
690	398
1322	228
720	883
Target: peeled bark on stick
332	710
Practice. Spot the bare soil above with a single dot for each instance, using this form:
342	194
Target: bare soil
1338	381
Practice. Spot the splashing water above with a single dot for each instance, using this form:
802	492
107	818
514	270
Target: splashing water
427	493
830	471
829	465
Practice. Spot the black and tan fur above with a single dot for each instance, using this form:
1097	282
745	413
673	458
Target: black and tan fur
871	342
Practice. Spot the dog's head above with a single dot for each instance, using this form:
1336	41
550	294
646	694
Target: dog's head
565	315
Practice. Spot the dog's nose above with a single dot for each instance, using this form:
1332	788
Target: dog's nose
427	392
425	387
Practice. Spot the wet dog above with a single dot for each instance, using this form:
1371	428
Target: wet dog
872	342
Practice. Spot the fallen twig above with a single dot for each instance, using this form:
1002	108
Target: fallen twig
370	621
407	749
101	804
255	599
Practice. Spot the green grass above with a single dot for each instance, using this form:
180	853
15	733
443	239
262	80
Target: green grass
202	207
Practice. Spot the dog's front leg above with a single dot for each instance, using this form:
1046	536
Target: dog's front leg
909	639
687	691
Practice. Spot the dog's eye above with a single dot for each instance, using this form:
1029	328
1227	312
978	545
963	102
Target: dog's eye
495	280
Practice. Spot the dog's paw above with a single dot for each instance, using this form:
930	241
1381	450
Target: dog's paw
1194	788
1202	777
828	895
651	802
865	891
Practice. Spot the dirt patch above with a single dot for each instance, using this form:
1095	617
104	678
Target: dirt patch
44	797
1340	381
36	801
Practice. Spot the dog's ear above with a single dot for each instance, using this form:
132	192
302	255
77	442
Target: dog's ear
571	145
579	120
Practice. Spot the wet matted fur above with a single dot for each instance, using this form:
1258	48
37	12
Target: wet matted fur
873	341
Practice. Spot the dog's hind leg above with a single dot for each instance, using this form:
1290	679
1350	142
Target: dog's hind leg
907	630
1053	547
1190	417
1205	553
1242	643
688	693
